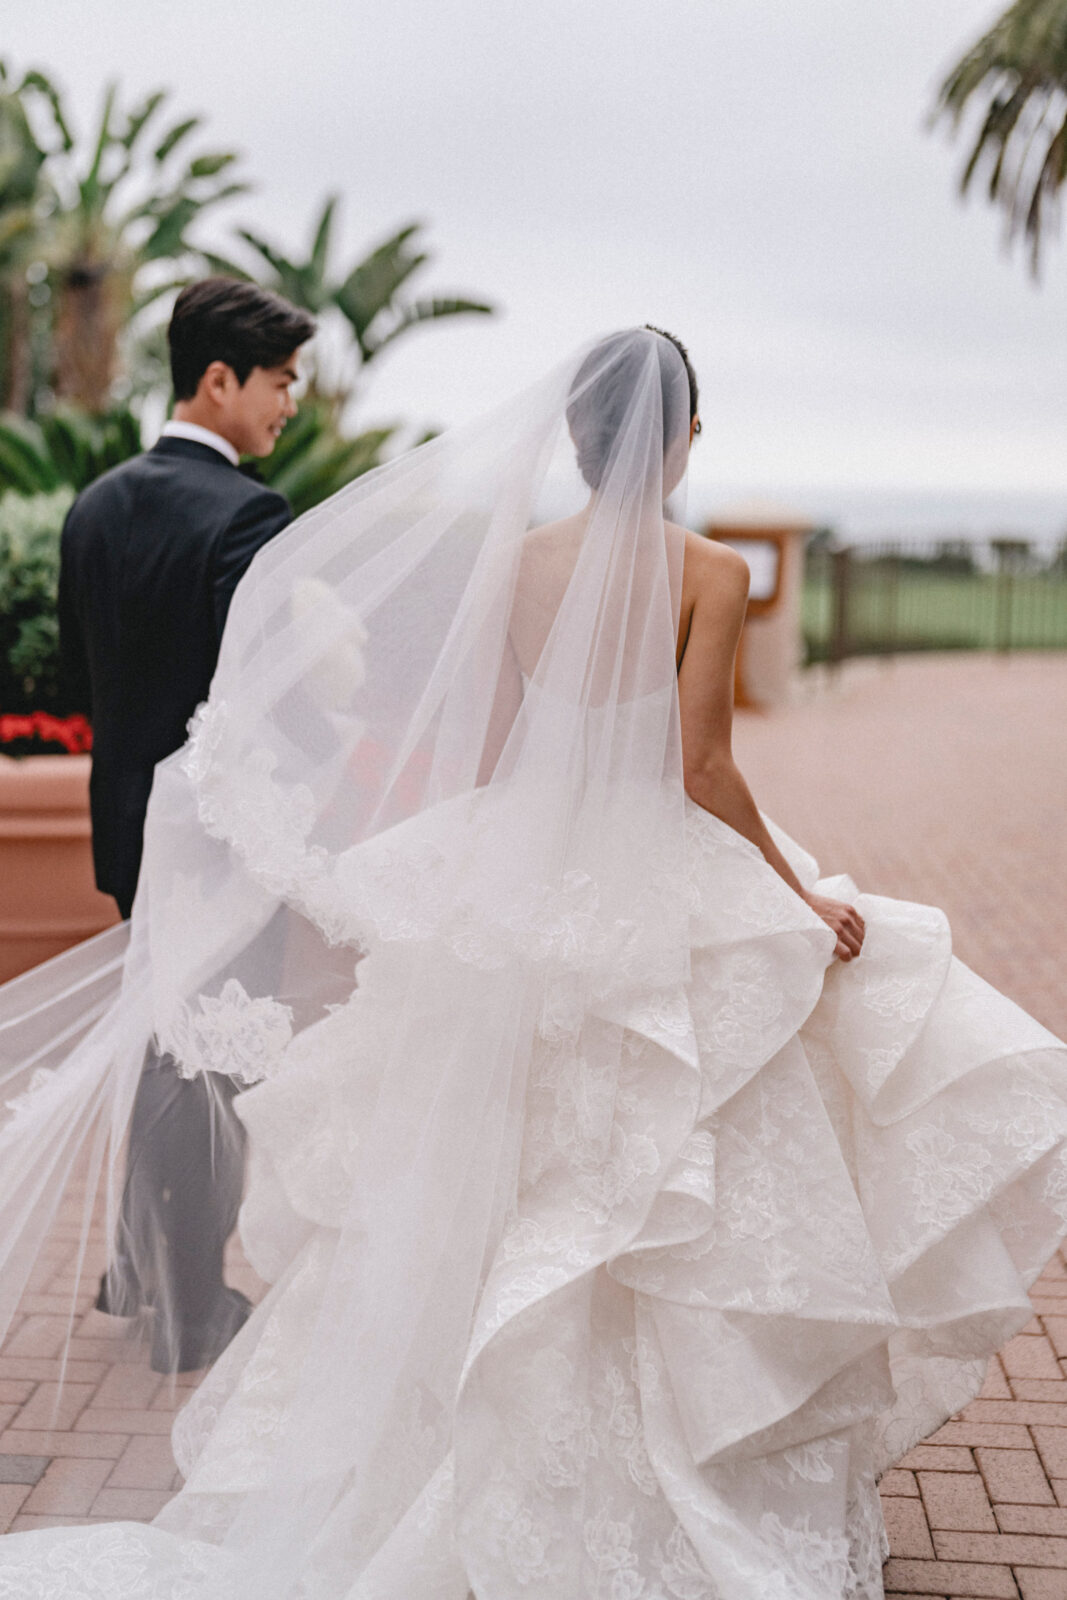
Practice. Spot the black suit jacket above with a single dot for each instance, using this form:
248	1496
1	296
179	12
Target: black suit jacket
150	557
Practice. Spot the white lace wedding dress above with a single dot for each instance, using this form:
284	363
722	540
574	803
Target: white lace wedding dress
754	1254
618	1237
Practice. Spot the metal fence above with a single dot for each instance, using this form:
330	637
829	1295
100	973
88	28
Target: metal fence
895	596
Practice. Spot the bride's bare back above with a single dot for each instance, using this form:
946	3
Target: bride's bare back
711	615
549	557
713	574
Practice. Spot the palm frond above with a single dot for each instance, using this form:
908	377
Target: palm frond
44	86
173	137
140	116
90	184
286	272
432	310
224	266
1015	75
25	464
66	448
209	166
171	219
320	246
143	298
1046	190
374	282
69	446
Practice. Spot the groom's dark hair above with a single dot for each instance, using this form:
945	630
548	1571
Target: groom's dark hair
223	319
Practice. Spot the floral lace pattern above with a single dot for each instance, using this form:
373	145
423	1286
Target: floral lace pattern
268	823
123	1562
456	872
230	1033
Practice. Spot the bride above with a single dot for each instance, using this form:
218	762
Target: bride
629	1196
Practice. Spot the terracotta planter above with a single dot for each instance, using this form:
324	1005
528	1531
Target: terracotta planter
48	899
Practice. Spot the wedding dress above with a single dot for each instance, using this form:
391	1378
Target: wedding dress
617	1237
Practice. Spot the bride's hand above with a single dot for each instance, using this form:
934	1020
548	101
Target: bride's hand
844	920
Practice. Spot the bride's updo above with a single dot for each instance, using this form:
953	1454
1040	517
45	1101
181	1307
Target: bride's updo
603	389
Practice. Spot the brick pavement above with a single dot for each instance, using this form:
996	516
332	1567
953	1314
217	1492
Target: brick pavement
939	779
98	1448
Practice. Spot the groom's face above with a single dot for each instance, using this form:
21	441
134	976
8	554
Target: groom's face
257	410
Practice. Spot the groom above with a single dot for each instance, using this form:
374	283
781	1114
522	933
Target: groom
151	555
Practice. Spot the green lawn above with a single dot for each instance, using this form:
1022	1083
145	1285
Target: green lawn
915	610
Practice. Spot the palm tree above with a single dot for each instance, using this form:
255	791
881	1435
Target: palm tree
1016	74
22	159
368	297
126	206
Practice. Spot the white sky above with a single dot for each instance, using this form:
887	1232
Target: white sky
753	174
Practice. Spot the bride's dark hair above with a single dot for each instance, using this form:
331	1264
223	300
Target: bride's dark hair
694	392
601	396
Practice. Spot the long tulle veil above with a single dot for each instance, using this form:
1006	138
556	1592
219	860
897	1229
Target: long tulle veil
434	802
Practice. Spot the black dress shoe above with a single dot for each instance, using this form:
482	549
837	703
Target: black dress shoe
119	1294
188	1346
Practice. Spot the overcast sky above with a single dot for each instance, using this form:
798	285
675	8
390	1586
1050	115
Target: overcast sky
754	174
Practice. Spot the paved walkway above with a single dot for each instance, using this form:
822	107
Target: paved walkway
934	779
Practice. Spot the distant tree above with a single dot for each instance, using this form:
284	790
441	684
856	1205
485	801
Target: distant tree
116	206
1015	77
22	160
95	234
954	557
369	297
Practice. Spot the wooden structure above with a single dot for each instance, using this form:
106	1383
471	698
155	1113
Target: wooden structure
771	648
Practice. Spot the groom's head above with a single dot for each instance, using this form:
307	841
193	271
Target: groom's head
233	352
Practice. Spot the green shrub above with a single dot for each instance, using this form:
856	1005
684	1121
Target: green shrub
30	526
66	447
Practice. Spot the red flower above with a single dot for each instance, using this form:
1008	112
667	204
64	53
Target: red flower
73	734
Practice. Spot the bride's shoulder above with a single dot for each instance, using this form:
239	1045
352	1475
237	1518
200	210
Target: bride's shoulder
711	565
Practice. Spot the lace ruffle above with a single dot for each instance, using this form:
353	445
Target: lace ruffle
229	1033
466	873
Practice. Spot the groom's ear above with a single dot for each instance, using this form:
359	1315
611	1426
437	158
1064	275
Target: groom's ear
218	382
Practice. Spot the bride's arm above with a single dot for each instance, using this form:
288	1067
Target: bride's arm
717	580
714	598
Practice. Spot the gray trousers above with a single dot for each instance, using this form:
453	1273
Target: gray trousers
184	1181
185	1167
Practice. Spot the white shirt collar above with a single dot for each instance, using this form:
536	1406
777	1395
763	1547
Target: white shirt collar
199	435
